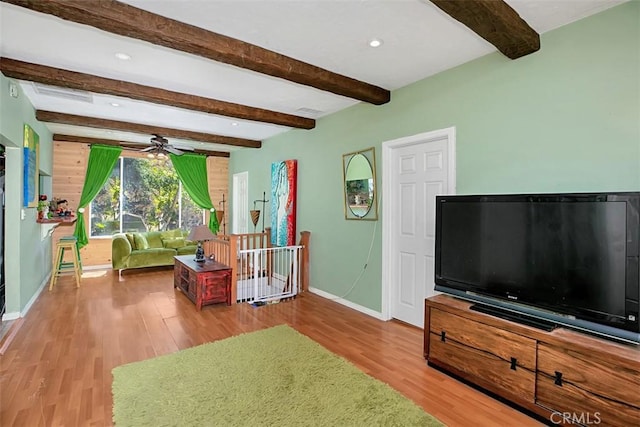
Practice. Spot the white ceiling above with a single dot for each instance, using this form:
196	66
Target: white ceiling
419	40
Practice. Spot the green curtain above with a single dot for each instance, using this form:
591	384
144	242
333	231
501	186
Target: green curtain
192	171
102	159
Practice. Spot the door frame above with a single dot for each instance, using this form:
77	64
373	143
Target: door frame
240	203
389	214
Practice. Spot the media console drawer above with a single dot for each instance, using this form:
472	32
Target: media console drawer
571	381
497	358
559	375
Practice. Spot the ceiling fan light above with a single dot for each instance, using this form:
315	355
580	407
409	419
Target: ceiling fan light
161	155
375	42
151	155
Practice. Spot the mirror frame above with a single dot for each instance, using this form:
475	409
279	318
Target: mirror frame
370	155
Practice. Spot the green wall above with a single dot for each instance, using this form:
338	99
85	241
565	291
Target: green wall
27	256
566	118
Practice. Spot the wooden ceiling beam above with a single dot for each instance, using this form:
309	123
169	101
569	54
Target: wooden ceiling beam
125	144
70	119
496	22
80	81
126	20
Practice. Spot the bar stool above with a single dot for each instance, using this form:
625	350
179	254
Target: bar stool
60	266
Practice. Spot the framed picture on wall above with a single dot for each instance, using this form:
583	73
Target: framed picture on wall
31	167
284	177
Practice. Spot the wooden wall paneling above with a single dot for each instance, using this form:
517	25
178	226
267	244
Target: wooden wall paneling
69	168
218	170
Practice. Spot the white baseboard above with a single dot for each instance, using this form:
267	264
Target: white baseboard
35	296
347	303
11	316
16	315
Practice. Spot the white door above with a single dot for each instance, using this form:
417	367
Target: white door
421	167
240	203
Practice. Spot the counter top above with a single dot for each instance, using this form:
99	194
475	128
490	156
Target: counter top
58	220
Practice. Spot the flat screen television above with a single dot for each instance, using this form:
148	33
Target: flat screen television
569	259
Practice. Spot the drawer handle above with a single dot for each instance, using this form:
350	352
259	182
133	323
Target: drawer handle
514	361
443	336
558	380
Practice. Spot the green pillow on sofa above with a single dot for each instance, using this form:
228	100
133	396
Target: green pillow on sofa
173	243
131	240
141	241
154	238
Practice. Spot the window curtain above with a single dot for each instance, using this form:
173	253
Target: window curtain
102	159
192	171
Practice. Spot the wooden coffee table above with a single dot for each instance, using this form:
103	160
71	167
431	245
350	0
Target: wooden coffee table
203	283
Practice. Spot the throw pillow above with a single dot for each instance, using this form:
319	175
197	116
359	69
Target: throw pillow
173	243
141	241
154	239
132	242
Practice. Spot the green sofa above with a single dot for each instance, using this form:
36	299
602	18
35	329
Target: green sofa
149	249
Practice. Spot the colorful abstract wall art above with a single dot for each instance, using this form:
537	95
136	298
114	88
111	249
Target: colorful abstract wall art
31	168
284	176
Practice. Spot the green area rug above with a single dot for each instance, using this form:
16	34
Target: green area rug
273	377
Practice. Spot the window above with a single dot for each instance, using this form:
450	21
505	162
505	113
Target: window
143	195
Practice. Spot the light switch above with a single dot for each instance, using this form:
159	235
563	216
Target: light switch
13	89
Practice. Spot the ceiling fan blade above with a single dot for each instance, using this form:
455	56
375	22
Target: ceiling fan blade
183	147
172	150
147	149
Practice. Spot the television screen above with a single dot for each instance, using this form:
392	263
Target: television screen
566	253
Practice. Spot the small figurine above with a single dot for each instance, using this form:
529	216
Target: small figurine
61	207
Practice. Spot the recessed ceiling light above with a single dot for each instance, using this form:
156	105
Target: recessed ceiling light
234	123
123	56
375	42
114	104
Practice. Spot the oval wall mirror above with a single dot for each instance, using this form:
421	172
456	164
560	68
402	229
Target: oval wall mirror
359	185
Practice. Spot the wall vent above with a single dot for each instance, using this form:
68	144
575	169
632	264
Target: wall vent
58	92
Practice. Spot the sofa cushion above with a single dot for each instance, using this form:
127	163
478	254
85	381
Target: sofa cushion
140	241
151	257
154	238
131	240
187	250
173	242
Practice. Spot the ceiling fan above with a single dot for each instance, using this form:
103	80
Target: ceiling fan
160	146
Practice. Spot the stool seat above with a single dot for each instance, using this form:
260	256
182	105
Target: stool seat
60	266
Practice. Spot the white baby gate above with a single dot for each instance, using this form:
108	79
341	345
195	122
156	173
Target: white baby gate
268	274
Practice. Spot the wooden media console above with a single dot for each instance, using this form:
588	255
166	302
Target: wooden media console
563	376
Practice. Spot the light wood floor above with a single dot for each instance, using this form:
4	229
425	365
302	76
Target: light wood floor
57	370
